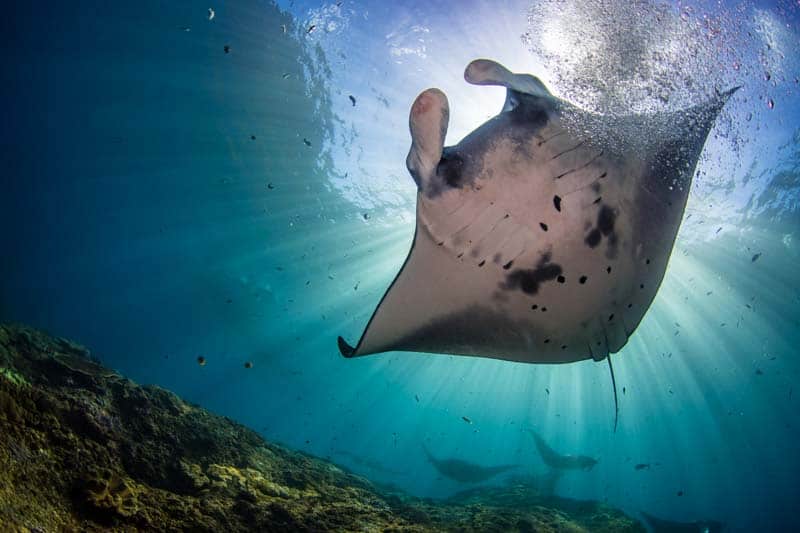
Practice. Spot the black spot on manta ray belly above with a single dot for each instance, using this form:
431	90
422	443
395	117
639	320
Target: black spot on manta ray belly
529	280
451	167
606	218
593	238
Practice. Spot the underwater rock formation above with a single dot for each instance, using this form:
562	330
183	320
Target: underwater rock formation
84	448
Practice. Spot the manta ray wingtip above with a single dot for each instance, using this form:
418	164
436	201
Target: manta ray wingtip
345	349
723	96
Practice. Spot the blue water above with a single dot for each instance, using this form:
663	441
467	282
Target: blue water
139	216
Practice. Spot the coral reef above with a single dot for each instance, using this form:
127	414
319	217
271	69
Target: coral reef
84	448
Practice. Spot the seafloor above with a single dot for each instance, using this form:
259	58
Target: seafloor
82	448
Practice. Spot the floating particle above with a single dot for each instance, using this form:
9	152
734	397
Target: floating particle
211	14
416	397
680	493
759	372
201	360
642	466
770	103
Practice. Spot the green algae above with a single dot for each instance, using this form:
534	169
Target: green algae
14	377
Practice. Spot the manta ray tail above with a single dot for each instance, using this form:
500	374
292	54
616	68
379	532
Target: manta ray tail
614	386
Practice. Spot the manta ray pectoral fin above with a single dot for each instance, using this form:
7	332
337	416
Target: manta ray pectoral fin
427	121
488	72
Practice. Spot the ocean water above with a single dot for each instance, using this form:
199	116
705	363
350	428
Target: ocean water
176	186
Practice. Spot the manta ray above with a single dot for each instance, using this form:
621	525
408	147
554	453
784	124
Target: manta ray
463	471
541	237
557	461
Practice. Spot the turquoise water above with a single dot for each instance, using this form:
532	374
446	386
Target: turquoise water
164	199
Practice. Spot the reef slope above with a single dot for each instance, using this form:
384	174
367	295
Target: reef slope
84	448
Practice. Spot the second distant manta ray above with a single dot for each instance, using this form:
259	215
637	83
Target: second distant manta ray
543	235
463	471
557	461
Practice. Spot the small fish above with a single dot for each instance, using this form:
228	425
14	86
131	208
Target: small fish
248	364
252	137
201	360
186	28
306	142
355	288
366	216
353	100
680	493
755	257
270	186
759	372
227	48
623	390
642	466
211	14
466	419
283	27
310	28
416	397
709	293
547	391
286	75
719	229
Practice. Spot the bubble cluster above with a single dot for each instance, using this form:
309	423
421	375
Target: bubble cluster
620	56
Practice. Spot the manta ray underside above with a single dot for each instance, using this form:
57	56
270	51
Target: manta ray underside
535	240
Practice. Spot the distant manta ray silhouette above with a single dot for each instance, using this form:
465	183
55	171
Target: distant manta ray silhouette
536	241
558	461
464	471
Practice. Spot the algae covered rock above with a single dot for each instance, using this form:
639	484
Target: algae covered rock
84	449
